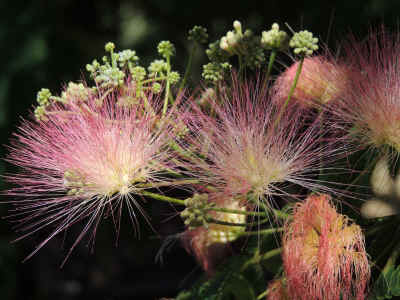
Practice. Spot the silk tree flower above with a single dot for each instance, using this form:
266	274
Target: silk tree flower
371	106
322	79
324	255
84	162
251	149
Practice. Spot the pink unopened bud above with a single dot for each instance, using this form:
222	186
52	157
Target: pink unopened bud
321	80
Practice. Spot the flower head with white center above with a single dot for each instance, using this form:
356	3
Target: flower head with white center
86	161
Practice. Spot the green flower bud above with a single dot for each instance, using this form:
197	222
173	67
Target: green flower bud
157	66
76	92
198	34
196	212
156	87
237	26
174	77
138	73
40	113
215	71
166	49
304	43
215	52
223	43
109	47
109	77
43	97
126	56
274	39
231	38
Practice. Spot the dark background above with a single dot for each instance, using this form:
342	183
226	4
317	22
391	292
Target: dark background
48	43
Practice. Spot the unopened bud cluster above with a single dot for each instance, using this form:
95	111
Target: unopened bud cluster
196	212
274	39
304	43
198	34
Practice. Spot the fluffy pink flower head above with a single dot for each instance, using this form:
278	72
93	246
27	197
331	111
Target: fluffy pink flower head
323	253
86	161
247	150
371	107
321	80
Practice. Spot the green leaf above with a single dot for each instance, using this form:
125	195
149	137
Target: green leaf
230	282
240	288
387	285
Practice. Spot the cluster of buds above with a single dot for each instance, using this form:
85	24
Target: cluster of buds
120	71
124	65
215	72
196	212
275	39
303	43
232	39
198	34
243	44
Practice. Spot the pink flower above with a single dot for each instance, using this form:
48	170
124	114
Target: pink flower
371	106
86	161
247	150
322	79
323	253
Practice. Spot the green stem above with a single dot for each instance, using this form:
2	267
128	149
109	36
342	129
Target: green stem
219	222
270	254
163	198
270	64
167	87
184	153
188	67
259	258
113	59
278	213
217	209
238	212
263	295
291	91
161	78
263	231
162	184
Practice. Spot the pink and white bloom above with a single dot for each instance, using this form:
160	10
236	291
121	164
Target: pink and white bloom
324	255
84	162
371	106
250	148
